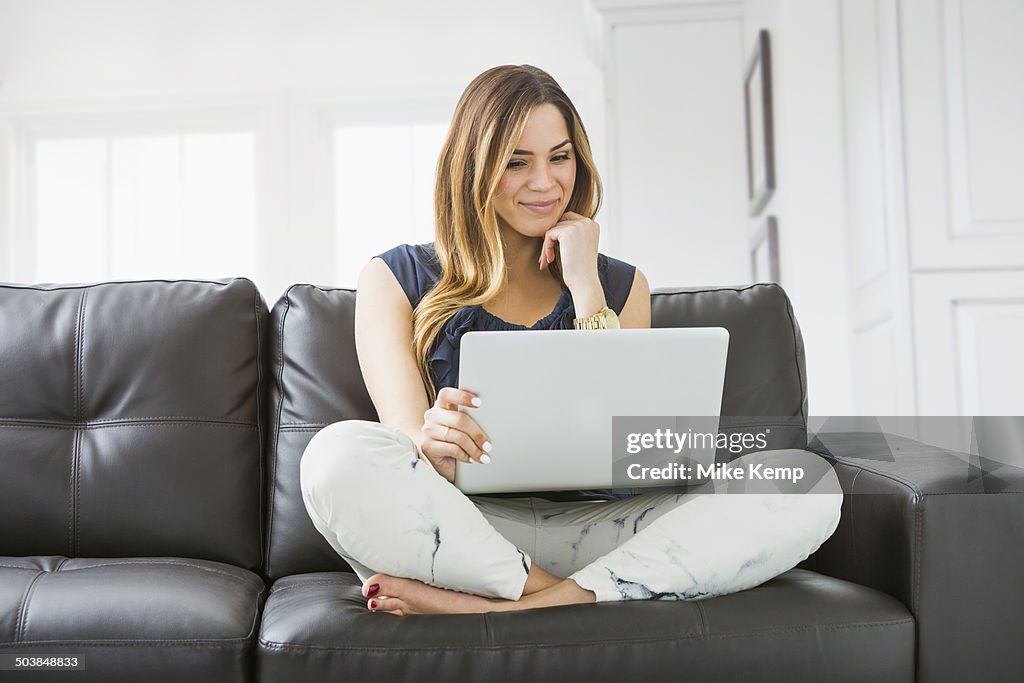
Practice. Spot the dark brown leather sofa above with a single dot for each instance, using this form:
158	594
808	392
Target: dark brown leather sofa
151	522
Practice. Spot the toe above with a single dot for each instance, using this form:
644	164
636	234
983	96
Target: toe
372	586
386	604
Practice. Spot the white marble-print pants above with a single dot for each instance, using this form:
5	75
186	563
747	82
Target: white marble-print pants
384	510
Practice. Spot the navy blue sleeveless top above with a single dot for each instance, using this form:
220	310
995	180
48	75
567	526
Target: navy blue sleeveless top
417	270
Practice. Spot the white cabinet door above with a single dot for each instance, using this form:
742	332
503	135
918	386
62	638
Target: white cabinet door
969	330
963	98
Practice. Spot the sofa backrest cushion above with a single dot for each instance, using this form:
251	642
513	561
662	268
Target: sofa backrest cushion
130	419
765	373
317	381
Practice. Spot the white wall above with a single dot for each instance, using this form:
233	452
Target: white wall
678	189
102	48
809	199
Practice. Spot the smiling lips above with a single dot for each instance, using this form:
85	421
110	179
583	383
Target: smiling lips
541	208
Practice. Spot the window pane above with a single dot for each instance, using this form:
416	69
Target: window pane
427	140
384	184
158	206
219	197
146	208
70	205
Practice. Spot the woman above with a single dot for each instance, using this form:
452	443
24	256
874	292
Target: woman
515	248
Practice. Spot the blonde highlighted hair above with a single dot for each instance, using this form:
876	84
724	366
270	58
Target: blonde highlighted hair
488	122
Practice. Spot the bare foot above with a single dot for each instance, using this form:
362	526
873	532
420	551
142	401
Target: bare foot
401	596
408	596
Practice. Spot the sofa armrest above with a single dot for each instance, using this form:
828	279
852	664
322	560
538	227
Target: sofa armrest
942	532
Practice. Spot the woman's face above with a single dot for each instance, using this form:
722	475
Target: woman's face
536	185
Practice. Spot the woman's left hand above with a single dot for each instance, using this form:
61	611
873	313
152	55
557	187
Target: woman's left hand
576	237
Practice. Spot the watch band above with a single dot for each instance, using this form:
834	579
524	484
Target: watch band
605	319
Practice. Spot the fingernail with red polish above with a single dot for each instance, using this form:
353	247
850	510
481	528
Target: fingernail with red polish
373	589
373	604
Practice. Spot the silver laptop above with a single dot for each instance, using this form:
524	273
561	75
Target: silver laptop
548	398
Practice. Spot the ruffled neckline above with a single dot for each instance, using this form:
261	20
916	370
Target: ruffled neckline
564	301
443	361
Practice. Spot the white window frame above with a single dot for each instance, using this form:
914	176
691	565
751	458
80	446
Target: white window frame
373	112
31	125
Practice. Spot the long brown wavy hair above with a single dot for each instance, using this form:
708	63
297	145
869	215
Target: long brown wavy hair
488	122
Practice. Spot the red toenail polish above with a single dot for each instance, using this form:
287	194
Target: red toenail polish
373	604
373	589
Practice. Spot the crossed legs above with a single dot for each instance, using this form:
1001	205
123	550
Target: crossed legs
420	545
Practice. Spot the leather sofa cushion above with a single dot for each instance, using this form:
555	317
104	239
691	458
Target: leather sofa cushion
800	626
130	419
132	619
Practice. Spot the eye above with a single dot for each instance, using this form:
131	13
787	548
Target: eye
516	163
562	157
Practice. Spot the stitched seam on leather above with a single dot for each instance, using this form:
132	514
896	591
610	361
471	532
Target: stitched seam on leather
591	643
256	612
18	566
78	433
260	418
71	496
18	423
918	533
275	427
853	501
22	618
702	618
751	423
176	418
796	355
147	418
852	497
79	417
866	468
244	579
487	627
333	584
536	542
666	291
918	493
325	289
77	359
970	493
37	288
206	642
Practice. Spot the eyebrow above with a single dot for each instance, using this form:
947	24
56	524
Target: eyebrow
563	143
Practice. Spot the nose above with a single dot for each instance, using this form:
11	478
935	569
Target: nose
541	179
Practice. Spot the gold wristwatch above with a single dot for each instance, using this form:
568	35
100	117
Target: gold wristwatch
605	319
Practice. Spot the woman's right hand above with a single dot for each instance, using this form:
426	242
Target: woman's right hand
449	434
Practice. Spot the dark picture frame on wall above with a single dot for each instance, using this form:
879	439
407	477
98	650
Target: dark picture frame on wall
764	252
757	99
